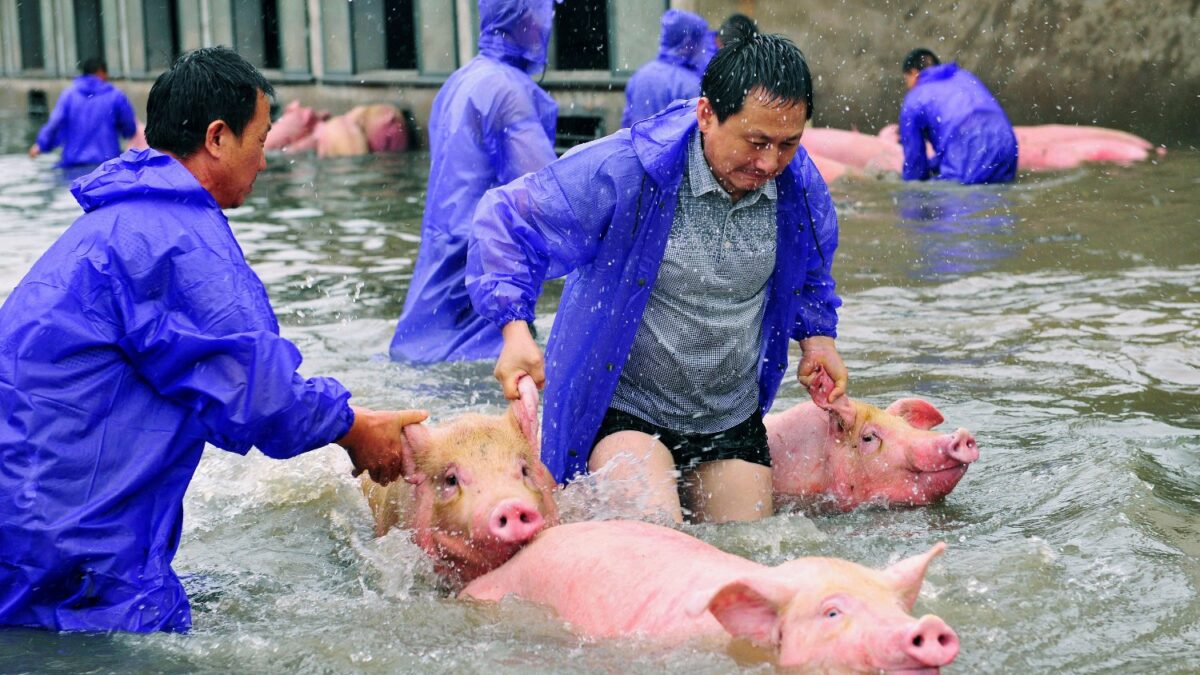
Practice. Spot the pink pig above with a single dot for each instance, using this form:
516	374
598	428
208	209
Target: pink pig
849	453
625	578
294	126
475	490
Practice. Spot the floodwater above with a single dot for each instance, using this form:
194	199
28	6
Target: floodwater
1058	319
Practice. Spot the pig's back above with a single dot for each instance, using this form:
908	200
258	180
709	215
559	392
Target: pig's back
609	578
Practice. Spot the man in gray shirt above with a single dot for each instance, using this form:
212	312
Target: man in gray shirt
698	242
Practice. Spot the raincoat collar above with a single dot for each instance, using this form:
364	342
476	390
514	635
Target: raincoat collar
660	142
136	174
939	72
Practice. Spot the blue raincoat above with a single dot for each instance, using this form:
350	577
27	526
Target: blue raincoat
972	139
603	214
140	335
683	52
85	122
490	123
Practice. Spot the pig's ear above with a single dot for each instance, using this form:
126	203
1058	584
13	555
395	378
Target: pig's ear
525	411
917	412
417	441
748	608
842	408
907	575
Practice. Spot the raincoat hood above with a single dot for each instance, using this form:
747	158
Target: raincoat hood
138	174
516	32
942	71
684	39
92	85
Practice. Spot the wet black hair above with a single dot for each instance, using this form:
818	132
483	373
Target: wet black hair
736	27
92	66
201	87
919	59
762	61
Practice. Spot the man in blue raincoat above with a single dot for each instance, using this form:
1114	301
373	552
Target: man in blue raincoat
675	74
87	120
140	335
490	123
698	243
972	139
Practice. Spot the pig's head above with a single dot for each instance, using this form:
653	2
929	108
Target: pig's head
832	614
480	490
891	455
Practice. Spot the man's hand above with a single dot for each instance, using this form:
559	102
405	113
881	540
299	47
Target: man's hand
34	151
376	442
821	353
520	356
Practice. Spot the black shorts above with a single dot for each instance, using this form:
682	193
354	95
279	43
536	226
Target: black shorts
746	441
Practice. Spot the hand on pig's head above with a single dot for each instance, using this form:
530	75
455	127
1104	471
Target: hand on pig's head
826	613
480	490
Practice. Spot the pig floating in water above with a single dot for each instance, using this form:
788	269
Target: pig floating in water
850	453
292	131
475	490
628	578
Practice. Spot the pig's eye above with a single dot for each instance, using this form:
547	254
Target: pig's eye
451	480
869	437
832	613
525	470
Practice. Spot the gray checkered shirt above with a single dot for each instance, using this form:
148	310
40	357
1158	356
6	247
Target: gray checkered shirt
694	364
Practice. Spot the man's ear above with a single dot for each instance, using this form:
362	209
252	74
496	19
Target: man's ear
706	117
217	137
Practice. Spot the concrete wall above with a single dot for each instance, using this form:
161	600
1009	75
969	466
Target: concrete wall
1118	63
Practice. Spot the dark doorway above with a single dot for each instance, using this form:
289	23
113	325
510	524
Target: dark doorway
89	30
272	54
162	33
29	20
256	32
398	21
581	35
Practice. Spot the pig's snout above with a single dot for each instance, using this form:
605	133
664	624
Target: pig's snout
962	447
514	521
931	642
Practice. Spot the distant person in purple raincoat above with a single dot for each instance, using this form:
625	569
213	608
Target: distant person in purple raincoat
698	243
973	141
88	121
683	52
140	335
490	123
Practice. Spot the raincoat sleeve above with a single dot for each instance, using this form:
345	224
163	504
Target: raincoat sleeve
819	302
525	145
912	140
540	226
50	136
125	118
195	333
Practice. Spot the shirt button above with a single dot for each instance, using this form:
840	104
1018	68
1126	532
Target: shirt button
572	453
641	282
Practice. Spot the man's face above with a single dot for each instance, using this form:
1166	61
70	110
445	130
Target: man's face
910	78
754	144
244	157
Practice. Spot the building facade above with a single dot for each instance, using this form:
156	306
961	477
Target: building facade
328	53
